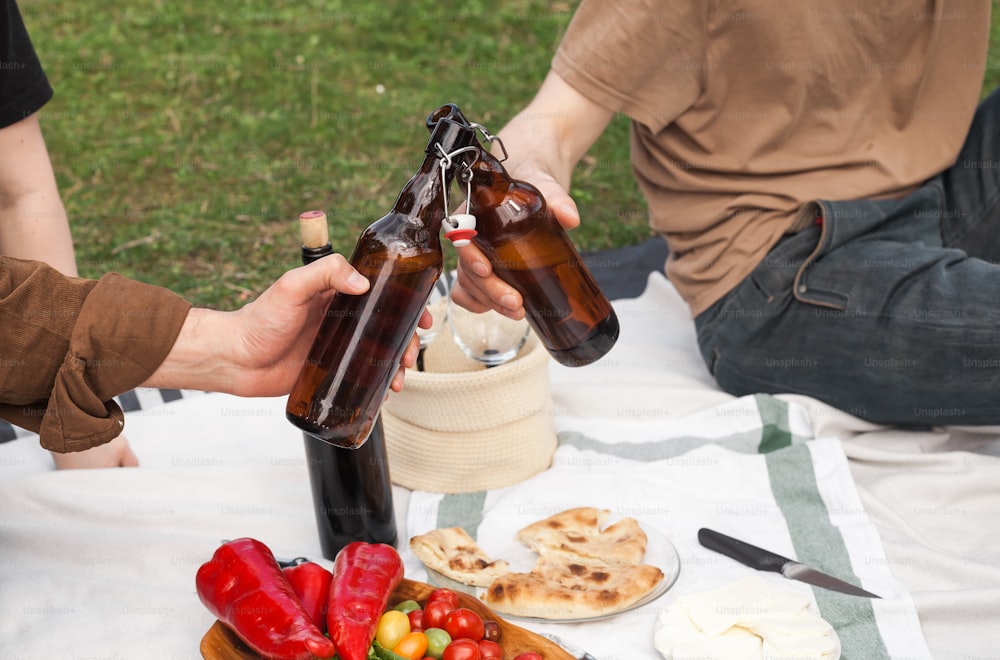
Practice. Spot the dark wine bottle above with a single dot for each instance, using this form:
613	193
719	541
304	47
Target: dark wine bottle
361	339
529	250
351	489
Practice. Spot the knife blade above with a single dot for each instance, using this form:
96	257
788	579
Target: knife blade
765	560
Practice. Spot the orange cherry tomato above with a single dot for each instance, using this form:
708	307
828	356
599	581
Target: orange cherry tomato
413	645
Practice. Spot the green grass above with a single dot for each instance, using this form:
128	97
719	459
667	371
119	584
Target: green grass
187	136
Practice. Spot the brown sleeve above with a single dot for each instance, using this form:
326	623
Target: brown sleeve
71	344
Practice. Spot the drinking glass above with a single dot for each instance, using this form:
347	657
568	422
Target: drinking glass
437	305
488	337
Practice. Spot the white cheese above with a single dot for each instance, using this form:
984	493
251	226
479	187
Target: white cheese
745	620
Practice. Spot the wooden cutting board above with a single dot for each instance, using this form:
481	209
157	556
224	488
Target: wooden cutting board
220	643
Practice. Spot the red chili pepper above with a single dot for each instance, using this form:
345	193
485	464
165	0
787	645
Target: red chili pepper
243	586
311	583
364	577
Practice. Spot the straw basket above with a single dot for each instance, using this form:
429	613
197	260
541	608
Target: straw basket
458	427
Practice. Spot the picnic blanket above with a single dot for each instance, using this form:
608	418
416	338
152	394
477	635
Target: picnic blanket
107	557
750	468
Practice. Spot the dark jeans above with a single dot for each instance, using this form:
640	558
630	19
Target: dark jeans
889	310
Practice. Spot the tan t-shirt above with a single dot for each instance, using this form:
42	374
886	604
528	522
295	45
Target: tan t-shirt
745	110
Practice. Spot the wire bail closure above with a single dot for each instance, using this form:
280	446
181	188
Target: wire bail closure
490	139
460	227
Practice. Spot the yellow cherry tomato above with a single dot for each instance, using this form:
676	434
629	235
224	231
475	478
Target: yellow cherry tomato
412	646
392	627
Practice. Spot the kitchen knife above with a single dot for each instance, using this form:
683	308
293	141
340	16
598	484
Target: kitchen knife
764	560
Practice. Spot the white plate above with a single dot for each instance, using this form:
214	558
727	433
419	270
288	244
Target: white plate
660	552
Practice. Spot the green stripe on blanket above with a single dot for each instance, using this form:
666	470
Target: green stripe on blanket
464	510
773	433
819	544
774	427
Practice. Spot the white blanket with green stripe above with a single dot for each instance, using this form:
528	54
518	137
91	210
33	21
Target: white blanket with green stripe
749	468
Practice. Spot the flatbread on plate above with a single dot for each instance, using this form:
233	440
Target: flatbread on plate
579	535
556	589
454	554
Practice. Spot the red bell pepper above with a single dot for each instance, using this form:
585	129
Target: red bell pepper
311	583
364	577
243	586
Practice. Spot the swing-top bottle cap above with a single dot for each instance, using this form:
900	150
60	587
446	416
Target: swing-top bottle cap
450	129
451	136
446	111
461	228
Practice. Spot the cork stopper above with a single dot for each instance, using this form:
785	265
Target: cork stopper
313	229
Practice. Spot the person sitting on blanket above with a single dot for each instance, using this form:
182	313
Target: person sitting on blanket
70	344
826	185
33	221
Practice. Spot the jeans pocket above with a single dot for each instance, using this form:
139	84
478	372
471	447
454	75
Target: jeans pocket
812	288
741	314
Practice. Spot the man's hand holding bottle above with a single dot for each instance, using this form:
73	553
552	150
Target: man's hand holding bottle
259	349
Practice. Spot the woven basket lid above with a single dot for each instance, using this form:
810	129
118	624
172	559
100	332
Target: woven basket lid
459	427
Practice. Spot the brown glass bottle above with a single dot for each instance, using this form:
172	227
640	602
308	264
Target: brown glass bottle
530	251
351	489
361	339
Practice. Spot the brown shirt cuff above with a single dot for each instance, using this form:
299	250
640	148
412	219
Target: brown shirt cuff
75	345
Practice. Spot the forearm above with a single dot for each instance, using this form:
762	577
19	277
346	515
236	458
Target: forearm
553	132
198	359
259	349
36	228
33	222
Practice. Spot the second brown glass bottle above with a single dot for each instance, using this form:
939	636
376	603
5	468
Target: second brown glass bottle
529	250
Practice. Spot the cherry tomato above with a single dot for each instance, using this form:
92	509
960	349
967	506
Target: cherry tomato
435	614
412	646
416	618
489	650
461	649
491	630
393	625
463	623
437	641
527	655
445	594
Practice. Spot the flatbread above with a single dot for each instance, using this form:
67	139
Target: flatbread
578	535
584	570
555	589
641	577
454	554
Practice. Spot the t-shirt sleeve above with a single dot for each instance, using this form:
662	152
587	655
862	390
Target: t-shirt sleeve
644	58
71	344
24	88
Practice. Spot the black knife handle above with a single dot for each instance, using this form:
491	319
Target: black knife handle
747	554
